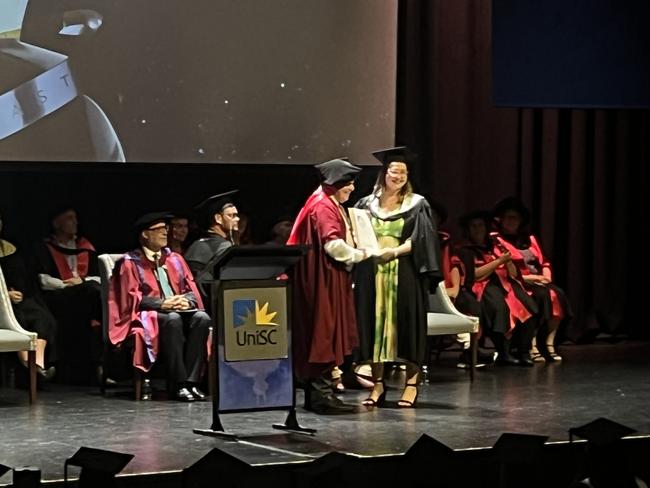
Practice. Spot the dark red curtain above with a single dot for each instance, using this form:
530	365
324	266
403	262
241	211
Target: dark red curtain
583	173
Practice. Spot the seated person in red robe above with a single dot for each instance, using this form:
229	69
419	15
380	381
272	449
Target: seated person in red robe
324	320
67	270
153	297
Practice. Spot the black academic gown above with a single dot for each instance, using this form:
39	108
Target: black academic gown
419	273
198	257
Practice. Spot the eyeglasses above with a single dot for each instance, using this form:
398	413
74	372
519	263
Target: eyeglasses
393	172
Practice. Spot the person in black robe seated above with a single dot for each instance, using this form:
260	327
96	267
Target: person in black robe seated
67	269
28	308
220	220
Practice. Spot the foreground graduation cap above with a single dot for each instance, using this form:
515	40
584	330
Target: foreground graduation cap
147	220
337	171
98	467
395	154
4	469
519	457
218	466
601	432
519	448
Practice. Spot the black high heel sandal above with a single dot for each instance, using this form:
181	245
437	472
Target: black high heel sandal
407	403
379	402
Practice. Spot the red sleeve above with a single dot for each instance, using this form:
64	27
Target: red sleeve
124	297
328	222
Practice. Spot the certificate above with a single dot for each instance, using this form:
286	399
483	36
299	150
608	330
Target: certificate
364	234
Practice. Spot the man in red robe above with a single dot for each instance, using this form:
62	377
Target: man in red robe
324	322
154	298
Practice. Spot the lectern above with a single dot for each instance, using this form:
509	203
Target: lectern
251	366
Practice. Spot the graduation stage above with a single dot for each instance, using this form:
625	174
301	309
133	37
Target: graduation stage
598	380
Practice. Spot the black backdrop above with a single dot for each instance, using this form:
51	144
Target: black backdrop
582	172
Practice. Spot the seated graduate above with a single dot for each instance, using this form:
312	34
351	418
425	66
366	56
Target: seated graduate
153	297
490	276
220	221
26	303
67	269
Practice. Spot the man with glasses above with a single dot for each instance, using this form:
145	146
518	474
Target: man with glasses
153	297
220	219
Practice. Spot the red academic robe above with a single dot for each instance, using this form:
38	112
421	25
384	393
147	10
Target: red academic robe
518	260
324	320
61	262
133	279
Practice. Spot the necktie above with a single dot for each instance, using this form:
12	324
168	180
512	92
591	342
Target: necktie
163	280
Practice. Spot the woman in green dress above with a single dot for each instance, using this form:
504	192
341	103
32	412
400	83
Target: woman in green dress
392	290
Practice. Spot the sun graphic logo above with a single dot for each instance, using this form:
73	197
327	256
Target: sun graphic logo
253	324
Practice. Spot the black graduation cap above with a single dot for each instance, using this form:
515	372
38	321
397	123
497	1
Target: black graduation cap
215	204
601	432
519	448
484	215
400	153
337	171
148	219
426	447
512	203
4	469
98	467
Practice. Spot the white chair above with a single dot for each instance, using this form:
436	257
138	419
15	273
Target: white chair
13	338
443	318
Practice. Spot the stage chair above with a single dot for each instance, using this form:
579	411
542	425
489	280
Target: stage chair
13	338
443	318
106	266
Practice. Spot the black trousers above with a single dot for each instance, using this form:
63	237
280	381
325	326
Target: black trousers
183	346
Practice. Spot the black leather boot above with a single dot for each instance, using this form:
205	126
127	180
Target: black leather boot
320	398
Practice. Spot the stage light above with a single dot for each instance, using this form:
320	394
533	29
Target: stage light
98	467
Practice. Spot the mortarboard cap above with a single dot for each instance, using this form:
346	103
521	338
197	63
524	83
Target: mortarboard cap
512	203
601	432
337	171
519	448
98	467
58	210
216	203
213	205
484	215
393	154
4	469
147	220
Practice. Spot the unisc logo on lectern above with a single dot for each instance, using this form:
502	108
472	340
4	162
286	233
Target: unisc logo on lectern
253	324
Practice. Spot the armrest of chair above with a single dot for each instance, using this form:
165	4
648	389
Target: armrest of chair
441	303
8	319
